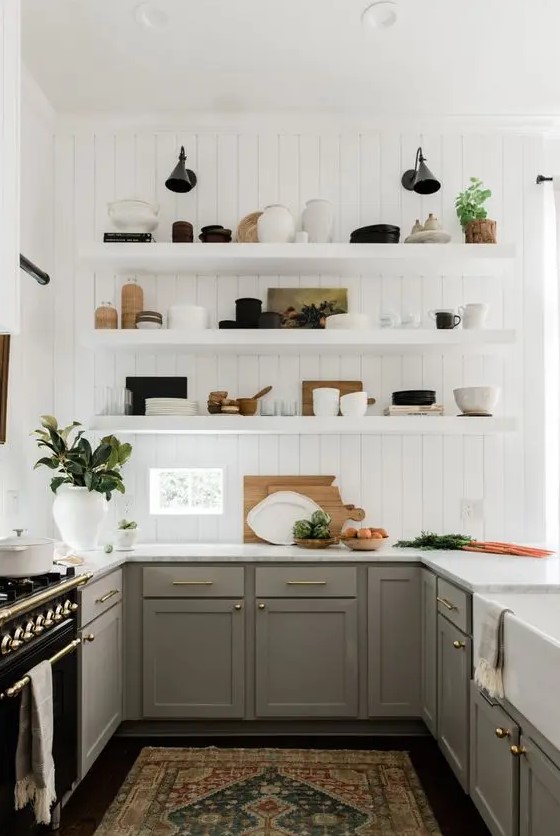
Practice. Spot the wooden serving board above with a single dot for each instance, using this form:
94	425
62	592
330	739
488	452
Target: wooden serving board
255	489
330	501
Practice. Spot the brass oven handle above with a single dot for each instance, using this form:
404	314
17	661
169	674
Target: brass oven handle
306	583
18	686
40	598
447	604
192	583
106	597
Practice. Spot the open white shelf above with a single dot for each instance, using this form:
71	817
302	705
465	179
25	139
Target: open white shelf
296	259
308	425
302	341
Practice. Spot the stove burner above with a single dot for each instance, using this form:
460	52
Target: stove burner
16	589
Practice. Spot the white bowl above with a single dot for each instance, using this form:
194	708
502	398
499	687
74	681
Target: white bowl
477	400
353	321
354	404
187	317
133	215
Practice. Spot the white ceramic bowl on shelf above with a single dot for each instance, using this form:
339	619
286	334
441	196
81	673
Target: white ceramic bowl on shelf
354	405
352	321
477	400
133	215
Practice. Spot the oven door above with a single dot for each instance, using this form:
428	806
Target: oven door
65	723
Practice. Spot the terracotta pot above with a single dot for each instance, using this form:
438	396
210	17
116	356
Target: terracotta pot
480	232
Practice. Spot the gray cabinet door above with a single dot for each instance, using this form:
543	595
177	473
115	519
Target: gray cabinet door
101	692
306	658
454	674
494	771
539	805
429	649
394	642
194	653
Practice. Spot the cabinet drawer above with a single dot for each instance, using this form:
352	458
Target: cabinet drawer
193	582
301	582
99	596
454	604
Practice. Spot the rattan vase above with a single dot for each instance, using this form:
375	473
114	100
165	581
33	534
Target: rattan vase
132	302
106	316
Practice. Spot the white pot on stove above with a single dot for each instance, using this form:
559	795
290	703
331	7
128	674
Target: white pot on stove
24	557
79	515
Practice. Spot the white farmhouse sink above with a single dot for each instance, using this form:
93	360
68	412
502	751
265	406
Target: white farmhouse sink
532	656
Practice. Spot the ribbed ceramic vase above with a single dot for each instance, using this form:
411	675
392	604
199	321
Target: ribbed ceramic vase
318	221
276	225
79	515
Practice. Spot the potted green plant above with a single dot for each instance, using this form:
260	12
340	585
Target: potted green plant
84	480
127	531
472	213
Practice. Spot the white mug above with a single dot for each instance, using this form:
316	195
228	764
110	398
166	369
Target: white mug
354	404
326	402
474	314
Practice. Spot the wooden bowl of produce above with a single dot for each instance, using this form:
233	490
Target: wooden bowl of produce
315	543
363	539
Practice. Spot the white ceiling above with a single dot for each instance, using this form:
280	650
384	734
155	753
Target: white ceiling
491	57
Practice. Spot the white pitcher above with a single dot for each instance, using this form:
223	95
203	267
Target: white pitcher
474	314
318	221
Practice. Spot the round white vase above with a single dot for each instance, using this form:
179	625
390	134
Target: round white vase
318	221
276	225
79	515
125	539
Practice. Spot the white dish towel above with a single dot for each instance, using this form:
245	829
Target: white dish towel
34	759
489	670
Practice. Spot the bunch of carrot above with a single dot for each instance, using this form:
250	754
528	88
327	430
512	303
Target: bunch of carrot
505	549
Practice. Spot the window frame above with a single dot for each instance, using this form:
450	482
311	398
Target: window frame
154	493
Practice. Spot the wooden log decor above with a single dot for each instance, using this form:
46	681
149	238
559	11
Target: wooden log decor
480	232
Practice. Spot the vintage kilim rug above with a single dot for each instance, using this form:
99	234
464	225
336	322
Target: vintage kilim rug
269	792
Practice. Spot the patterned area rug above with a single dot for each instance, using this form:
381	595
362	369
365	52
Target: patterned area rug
269	792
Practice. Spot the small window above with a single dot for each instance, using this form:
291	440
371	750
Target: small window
186	490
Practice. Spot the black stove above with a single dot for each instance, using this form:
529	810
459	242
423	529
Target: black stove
16	589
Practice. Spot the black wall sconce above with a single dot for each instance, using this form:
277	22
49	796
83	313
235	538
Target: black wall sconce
420	179
181	179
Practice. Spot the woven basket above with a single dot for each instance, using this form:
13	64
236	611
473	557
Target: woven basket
132	302
247	229
480	232
106	316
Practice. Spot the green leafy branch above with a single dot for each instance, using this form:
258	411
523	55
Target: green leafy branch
470	203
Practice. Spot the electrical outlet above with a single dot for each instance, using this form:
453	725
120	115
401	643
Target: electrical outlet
472	510
11	505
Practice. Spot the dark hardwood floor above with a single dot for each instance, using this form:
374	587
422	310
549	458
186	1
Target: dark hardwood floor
453	809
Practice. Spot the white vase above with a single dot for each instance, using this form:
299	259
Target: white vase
318	221
79	515
276	225
125	539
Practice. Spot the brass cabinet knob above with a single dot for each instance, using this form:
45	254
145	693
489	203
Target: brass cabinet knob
6	645
89	637
517	751
49	618
238	607
29	631
501	733
458	645
58	613
261	606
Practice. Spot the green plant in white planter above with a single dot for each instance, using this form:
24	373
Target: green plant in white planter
127	531
85	479
473	215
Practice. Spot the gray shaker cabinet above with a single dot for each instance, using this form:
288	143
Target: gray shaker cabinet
100	670
494	771
194	658
429	649
306	662
394	641
454	675
539	780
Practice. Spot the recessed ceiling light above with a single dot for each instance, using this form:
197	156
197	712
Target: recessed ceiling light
380	15
151	16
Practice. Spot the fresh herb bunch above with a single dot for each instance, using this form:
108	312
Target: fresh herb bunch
470	203
76	463
429	540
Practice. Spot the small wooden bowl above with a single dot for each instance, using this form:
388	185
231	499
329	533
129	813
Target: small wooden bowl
365	544
315	544
248	406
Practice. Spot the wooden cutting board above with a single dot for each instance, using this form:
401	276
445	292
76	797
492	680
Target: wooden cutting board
255	489
330	501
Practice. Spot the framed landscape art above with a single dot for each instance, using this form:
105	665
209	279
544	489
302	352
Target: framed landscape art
307	307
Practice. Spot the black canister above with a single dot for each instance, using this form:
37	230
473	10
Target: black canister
247	312
270	319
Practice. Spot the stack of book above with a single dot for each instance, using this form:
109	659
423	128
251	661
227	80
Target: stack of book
433	409
128	238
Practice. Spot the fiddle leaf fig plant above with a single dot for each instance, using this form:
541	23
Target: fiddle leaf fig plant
470	203
76	462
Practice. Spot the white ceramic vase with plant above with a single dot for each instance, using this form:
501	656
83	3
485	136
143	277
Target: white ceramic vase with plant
84	482
127	532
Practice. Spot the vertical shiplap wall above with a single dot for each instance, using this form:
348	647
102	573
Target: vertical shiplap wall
405	483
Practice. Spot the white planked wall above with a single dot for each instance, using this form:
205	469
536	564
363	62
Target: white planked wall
405	483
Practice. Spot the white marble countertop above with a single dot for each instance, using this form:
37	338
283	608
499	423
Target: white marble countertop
476	573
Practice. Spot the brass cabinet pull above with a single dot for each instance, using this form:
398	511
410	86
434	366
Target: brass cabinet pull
192	583
106	597
501	733
261	606
447	604
238	607
306	583
517	751
458	645
89	637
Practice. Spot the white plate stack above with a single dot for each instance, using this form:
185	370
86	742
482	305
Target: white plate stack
171	406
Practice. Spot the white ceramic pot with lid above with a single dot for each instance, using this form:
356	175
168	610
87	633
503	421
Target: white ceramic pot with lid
23	557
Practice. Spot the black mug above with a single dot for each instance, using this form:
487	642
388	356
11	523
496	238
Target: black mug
446	319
